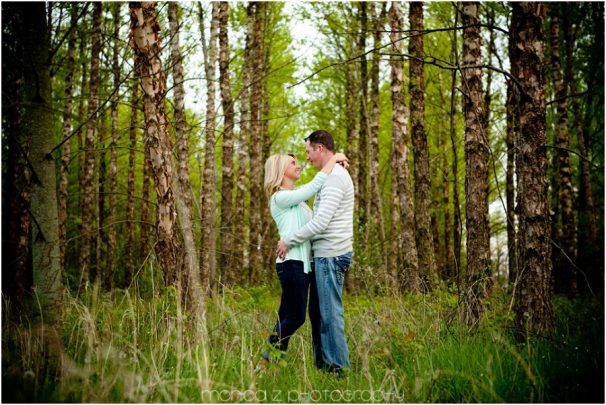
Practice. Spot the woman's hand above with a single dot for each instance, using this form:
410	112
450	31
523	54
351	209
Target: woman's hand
341	159
281	250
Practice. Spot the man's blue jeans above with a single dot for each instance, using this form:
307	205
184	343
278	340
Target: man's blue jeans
330	275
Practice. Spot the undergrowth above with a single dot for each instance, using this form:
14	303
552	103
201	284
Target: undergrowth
140	347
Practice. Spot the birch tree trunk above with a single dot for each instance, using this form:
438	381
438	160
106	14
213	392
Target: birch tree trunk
67	129
256	142
113	165
422	198
376	202
227	183
448	265
208	200
130	188
588	246
190	283
402	213
456	226
89	148
476	168
362	161
564	271
532	294
146	44
241	243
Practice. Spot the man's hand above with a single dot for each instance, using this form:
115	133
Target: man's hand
281	250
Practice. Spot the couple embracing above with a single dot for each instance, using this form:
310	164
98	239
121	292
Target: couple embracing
314	250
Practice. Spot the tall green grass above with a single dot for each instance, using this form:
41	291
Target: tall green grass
140	347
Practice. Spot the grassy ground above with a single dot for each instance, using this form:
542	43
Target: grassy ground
403	349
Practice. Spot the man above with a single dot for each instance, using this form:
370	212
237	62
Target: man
331	233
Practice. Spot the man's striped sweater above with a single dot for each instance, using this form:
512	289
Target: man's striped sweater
331	228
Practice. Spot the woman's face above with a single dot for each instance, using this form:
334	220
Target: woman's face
293	170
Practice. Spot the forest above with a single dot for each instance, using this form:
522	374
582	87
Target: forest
138	247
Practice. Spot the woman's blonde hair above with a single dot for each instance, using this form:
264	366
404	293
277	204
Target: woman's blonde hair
275	167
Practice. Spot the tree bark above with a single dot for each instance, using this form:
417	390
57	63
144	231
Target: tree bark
362	161
208	200
402	213
227	182
130	188
241	243
189	282
564	273
422	196
89	148
476	169
532	294
256	142
146	44
100	264
113	164
456	228
38	127
376	205
67	129
448	265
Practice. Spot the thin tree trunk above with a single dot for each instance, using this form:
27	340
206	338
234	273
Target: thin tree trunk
100	232
89	147
242	184
589	251
422	199
448	265
403	238
565	276
113	164
256	142
208	201
457	222
532	294
227	182
67	129
81	118
146	43
130	190
376	205
190	284
476	169
512	122
362	161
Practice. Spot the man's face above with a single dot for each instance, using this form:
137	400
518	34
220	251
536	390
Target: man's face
314	154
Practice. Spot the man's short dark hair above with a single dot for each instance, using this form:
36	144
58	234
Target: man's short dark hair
321	137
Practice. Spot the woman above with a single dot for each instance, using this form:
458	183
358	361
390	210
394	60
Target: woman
289	210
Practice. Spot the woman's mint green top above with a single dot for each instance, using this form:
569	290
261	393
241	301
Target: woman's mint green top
291	213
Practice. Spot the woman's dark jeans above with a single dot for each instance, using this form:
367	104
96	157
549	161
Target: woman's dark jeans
291	315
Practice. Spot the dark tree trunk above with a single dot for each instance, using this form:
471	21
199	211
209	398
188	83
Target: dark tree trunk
362	158
89	148
532	294
256	143
129	270
67	129
425	249
476	169
227	182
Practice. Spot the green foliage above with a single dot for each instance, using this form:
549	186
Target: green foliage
403	348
